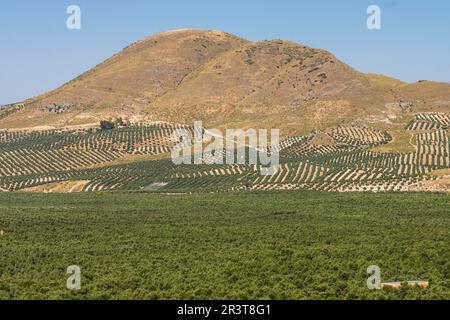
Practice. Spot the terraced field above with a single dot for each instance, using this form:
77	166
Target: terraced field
337	159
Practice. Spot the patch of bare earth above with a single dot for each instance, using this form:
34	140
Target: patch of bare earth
441	184
59	187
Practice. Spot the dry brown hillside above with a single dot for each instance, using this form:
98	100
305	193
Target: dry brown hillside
187	75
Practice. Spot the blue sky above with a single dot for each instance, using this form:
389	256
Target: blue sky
38	52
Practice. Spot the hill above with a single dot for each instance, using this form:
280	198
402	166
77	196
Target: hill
342	130
186	75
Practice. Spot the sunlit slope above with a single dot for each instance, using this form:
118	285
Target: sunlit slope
129	81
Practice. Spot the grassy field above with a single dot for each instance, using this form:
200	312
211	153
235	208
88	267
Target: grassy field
290	245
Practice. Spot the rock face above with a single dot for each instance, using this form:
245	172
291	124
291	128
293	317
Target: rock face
188	75
57	107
